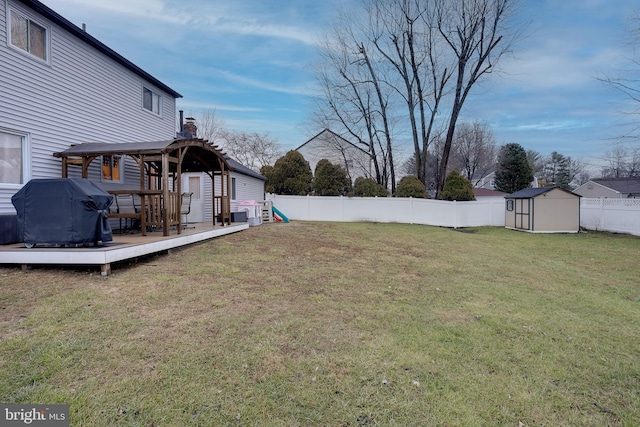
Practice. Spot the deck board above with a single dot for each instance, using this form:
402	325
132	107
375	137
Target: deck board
123	247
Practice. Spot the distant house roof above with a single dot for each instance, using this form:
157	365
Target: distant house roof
529	193
621	185
332	134
485	192
92	41
240	168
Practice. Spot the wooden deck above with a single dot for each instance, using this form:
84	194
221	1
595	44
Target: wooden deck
123	247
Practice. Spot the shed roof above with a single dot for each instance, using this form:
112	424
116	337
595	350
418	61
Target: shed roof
529	193
92	41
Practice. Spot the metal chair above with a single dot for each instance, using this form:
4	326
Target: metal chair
185	208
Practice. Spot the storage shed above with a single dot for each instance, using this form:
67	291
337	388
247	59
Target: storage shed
543	210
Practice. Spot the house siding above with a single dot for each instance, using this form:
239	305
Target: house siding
81	95
247	188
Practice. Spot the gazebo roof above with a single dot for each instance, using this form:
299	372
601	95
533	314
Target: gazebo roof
199	156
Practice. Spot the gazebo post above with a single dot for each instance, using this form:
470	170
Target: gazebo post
165	192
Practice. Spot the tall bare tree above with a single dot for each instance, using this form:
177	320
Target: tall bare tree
414	64
474	149
477	34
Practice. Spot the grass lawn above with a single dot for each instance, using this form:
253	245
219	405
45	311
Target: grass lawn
336	325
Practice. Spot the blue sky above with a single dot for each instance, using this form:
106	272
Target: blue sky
250	61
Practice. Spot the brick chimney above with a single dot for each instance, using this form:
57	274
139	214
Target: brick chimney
190	127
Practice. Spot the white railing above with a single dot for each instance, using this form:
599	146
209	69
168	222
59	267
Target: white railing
615	215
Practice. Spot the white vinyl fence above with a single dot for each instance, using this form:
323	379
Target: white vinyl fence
615	215
487	211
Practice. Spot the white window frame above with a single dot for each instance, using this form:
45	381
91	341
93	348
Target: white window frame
234	194
26	158
120	169
47	35
156	101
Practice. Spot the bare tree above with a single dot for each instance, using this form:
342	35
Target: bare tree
474	149
253	150
621	163
210	126
420	57
353	100
477	35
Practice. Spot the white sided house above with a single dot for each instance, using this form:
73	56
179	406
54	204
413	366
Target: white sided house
331	146
59	86
246	184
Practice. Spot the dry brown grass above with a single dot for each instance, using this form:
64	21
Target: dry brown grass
335	324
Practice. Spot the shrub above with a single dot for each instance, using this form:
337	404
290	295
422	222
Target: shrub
411	186
368	187
291	174
456	187
330	179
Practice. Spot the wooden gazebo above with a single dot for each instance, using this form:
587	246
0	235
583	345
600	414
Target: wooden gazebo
161	164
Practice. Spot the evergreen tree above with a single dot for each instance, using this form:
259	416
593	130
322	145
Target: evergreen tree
514	172
291	175
456	187
411	186
330	179
368	187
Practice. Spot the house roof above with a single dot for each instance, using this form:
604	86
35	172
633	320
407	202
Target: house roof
240	168
485	192
334	135
92	41
622	185
529	193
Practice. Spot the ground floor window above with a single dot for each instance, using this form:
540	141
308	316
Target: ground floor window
14	157
111	167
233	189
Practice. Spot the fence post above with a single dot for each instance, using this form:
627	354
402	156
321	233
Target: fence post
455	215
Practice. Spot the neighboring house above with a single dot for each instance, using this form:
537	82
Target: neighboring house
543	210
60	86
484	192
620	188
331	146
484	179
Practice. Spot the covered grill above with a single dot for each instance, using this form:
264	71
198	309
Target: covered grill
64	211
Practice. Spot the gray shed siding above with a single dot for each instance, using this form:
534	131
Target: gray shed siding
81	95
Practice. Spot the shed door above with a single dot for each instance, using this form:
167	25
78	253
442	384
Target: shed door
523	214
193	183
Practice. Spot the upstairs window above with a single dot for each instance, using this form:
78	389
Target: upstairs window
28	35
14	158
151	101
111	167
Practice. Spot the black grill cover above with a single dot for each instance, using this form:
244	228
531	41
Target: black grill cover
64	211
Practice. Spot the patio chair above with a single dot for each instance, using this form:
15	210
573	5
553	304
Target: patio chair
185	208
125	209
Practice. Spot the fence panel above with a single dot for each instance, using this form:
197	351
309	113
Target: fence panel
486	212
615	215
